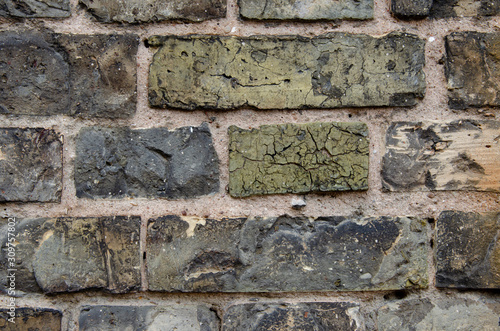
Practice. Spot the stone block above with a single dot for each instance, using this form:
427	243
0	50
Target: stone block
31	319
35	8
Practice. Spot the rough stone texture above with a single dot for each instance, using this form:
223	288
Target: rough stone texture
468	250
82	75
272	72
445	315
307	10
178	317
459	155
286	254
119	162
35	8
299	316
30	165
298	158
31	319
454	8
473	69
70	254
137	11
411	8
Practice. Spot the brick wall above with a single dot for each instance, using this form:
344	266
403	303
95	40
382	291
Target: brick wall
249	165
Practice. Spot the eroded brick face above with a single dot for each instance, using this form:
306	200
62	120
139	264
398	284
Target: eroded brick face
90	76
458	155
71	254
444	8
298	158
286	254
35	8
30	165
468	250
154	163
306	10
269	72
31	319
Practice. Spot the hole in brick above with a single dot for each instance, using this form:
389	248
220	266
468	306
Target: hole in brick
396	295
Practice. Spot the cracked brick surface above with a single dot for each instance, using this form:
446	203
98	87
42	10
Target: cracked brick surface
120	162
473	69
140	11
68	254
458	155
30	165
307	10
468	250
282	254
298	158
267	72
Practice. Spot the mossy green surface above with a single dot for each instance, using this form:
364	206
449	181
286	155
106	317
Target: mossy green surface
298	158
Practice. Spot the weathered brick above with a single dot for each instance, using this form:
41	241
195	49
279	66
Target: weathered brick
137	11
468	250
70	254
298	158
307	10
298	316
273	72
178	317
80	75
411	8
444	8
438	314
458	155
31	319
30	165
191	254
120	162
35	8
472	69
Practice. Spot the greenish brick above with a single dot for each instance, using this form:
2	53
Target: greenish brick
141	11
298	158
306	10
298	316
468	250
69	254
286	254
286	72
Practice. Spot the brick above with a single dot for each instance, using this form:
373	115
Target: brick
438	314
472	69
154	163
70	254
35	8
411	8
298	158
133	11
306	10
178	317
298	316
458	155
190	254
78	75
444	8
468	250
31	319
30	165
282	72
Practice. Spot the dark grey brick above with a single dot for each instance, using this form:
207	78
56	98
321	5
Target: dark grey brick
156	163
30	165
35	8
